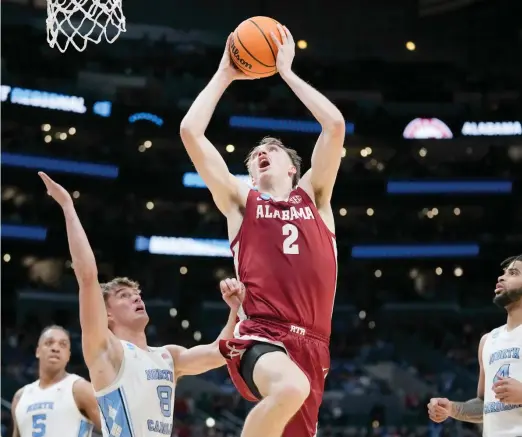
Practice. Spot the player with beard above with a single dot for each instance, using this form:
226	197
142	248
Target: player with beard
58	403
134	382
498	404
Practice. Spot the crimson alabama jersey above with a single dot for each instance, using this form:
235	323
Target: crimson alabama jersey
287	258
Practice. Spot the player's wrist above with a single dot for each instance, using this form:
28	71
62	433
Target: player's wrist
286	73
223	77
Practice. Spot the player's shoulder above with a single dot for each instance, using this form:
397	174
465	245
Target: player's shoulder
19	393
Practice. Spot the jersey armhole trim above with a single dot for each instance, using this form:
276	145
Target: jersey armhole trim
238	235
320	218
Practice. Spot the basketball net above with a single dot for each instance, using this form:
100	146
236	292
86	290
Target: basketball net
75	22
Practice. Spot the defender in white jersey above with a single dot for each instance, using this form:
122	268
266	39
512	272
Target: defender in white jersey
134	383
499	395
58	403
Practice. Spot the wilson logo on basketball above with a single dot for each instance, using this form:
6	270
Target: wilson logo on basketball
235	53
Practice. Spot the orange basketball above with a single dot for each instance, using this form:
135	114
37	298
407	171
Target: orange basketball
252	48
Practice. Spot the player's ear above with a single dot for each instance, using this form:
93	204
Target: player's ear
37	352
292	171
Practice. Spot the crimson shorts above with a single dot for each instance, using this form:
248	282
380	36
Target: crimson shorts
308	350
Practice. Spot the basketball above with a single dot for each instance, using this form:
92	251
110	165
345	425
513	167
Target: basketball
252	49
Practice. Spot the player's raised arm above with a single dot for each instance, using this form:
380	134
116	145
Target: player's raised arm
327	154
201	359
208	161
439	409
93	315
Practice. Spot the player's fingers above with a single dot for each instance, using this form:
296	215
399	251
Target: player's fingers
46	179
275	39
282	32
289	35
440	410
232	285
223	286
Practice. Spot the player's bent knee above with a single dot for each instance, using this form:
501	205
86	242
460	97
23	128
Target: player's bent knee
278	377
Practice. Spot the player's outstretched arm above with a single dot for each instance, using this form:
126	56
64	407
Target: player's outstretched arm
201	359
93	315
85	399
14	404
208	161
439	409
327	154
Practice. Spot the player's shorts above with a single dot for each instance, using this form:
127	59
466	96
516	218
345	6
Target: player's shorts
308	350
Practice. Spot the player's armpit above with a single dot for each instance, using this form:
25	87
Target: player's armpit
14	404
227	191
196	360
469	411
326	160
85	399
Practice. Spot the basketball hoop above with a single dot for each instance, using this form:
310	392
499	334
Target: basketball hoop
78	21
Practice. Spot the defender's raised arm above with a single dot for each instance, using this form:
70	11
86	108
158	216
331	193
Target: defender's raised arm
93	315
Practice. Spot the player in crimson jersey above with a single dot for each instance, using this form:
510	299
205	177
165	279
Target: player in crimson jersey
282	237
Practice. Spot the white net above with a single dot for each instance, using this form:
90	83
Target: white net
76	22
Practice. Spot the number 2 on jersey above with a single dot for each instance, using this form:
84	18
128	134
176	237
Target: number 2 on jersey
165	398
39	427
290	247
503	373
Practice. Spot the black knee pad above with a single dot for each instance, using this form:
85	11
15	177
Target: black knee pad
249	360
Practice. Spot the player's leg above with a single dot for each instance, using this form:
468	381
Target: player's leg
284	388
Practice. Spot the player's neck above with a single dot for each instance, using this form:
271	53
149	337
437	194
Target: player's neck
50	378
277	191
514	318
132	336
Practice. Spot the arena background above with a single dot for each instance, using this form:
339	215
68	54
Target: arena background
424	214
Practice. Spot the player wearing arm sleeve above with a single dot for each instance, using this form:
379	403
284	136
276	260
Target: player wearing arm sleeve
200	359
439	409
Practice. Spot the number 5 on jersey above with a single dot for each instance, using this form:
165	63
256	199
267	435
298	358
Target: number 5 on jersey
290	247
39	427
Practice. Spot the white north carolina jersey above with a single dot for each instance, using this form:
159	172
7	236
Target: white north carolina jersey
140	402
501	357
51	411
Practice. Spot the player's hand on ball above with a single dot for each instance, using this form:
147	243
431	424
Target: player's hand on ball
508	391
233	292
56	191
439	409
286	53
227	67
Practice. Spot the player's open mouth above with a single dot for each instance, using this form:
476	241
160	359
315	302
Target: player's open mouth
499	288
264	163
140	309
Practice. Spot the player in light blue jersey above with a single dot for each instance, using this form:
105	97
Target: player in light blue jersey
58	403
134	382
498	405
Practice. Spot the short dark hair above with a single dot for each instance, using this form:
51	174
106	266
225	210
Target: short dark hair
118	282
49	327
505	264
292	154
